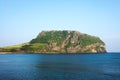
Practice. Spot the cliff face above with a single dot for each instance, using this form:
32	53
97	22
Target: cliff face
65	42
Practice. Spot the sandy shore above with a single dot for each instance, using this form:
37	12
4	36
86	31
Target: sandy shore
11	52
5	52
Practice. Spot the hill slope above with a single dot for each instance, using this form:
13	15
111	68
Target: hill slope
64	42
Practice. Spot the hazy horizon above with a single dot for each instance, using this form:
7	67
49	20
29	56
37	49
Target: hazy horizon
23	20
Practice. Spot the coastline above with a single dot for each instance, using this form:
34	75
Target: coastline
50	53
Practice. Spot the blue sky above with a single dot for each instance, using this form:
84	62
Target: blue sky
22	20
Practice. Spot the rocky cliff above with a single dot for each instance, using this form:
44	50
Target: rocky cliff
64	42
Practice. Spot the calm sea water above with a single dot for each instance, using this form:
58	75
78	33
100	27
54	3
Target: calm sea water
60	67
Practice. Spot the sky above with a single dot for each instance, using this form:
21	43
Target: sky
22	20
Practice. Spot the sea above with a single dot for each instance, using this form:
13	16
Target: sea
102	66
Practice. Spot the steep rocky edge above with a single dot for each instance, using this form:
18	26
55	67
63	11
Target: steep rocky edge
64	42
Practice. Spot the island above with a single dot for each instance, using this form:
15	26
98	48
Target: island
56	41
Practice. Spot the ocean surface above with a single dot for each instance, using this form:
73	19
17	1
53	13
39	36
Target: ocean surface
60	66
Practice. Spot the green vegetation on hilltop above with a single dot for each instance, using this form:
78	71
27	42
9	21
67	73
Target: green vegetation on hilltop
87	40
59	36
50	37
